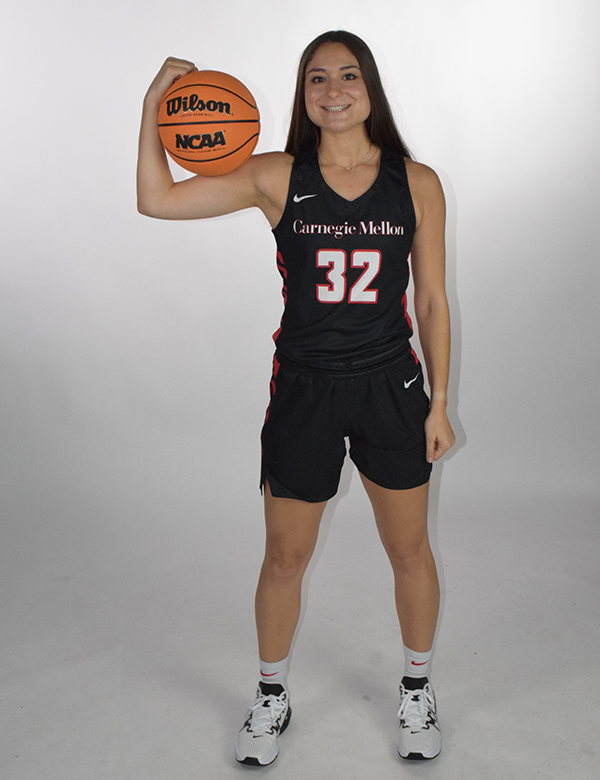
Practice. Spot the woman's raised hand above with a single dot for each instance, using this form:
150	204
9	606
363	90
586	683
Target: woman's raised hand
171	70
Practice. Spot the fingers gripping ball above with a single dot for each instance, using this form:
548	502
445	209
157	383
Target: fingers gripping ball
208	122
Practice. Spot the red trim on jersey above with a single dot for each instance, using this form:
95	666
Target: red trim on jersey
283	271
281	264
406	314
273	387
408	319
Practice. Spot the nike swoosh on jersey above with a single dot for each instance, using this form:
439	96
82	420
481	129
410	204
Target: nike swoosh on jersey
408	384
298	198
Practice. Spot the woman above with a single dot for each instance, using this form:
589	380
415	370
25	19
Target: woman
347	204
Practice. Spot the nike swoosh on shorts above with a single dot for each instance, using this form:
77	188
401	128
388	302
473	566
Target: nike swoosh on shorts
408	384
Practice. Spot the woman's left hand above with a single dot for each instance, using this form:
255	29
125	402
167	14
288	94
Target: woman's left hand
438	434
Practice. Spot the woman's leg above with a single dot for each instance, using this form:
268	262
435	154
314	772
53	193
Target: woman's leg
401	517
292	532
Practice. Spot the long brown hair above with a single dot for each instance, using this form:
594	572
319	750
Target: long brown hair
304	136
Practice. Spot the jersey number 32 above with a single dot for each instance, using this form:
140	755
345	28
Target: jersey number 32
336	260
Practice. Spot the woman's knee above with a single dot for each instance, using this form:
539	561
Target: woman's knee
409	557
286	562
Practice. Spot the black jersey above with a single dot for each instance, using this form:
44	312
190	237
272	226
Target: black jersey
345	268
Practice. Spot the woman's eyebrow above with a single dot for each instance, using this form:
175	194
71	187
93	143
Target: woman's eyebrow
342	67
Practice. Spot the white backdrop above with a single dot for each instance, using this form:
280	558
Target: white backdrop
112	321
136	358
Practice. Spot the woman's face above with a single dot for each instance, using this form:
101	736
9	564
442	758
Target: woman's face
335	93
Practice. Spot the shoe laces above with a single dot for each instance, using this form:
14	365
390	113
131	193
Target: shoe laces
416	707
266	711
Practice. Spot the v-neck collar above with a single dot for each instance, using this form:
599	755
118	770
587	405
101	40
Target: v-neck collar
367	193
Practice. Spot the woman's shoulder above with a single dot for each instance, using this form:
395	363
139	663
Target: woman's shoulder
271	174
423	181
425	189
271	164
271	171
421	175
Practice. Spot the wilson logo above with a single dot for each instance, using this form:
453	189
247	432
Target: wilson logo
193	103
200	141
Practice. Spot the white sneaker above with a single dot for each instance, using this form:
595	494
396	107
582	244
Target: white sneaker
266	720
420	735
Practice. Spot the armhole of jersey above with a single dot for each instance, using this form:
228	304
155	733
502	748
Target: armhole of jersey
289	193
409	198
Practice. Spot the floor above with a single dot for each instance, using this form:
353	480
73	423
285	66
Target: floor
128	641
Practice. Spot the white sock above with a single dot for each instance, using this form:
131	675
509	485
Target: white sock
275	673
416	664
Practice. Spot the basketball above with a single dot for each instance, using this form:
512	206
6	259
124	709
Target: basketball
209	122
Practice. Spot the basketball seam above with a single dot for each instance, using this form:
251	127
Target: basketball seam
209	122
215	86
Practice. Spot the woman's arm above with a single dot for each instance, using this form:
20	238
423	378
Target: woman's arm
256	183
431	305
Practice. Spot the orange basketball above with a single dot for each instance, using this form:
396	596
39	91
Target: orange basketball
208	122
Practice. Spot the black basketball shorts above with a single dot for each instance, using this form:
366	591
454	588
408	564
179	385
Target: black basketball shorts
382	411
